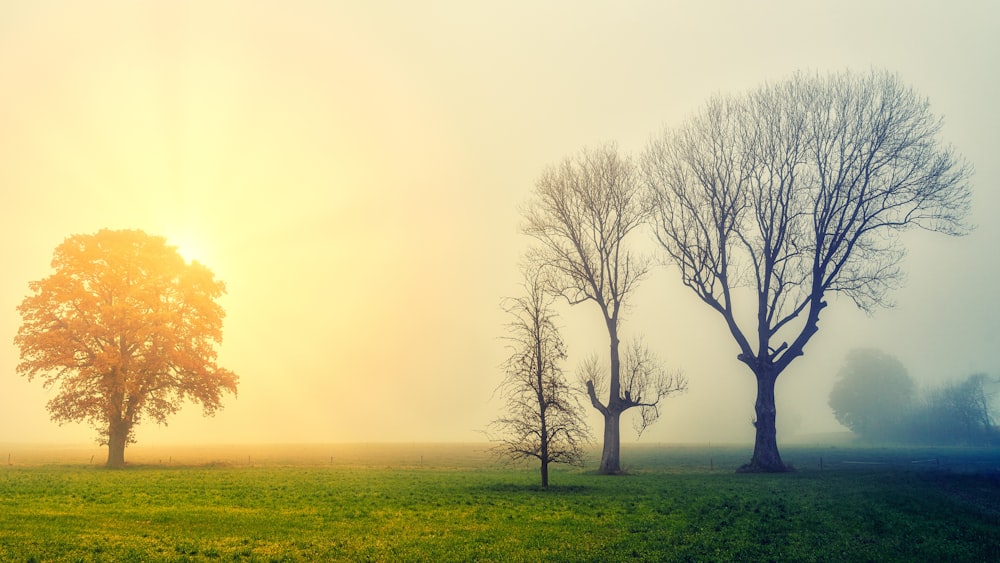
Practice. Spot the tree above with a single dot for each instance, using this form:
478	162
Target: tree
125	329
977	393
544	418
873	395
770	201
582	213
959	412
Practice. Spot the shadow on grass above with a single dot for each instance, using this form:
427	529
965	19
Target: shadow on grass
167	466
749	468
529	488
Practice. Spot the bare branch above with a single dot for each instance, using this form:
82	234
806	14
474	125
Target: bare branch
799	188
645	383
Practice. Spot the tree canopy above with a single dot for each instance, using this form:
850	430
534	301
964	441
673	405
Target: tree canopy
126	330
873	394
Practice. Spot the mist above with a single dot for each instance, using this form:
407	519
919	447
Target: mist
353	173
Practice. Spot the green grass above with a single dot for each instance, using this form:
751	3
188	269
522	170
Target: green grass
683	504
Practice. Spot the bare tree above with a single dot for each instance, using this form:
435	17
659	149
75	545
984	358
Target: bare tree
961	411
544	419
583	212
981	389
768	201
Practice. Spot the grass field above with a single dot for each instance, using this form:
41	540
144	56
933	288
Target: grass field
419	502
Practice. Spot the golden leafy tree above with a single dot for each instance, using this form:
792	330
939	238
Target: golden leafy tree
126	329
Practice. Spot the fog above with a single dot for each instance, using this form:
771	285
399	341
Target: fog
353	171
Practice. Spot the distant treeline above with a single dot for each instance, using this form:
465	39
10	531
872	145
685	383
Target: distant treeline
877	399
954	413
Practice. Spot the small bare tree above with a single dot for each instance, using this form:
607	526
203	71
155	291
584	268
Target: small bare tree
543	416
583	212
771	200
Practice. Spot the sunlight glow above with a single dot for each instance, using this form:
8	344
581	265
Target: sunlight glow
355	174
189	246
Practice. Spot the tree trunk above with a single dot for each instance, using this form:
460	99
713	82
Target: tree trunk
766	458
611	454
544	451
117	437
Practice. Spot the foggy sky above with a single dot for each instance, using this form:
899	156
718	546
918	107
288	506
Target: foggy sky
353	172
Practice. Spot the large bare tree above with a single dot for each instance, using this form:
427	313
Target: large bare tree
543	418
583	213
769	201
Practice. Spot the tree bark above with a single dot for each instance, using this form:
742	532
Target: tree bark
766	458
611	453
117	437
545	473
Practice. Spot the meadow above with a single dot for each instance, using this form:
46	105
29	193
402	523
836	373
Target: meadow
425	502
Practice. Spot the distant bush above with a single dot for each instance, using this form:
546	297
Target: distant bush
873	395
876	398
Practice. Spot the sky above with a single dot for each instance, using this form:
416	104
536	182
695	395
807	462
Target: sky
353	172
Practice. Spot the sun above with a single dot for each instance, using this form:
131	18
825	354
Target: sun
188	246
